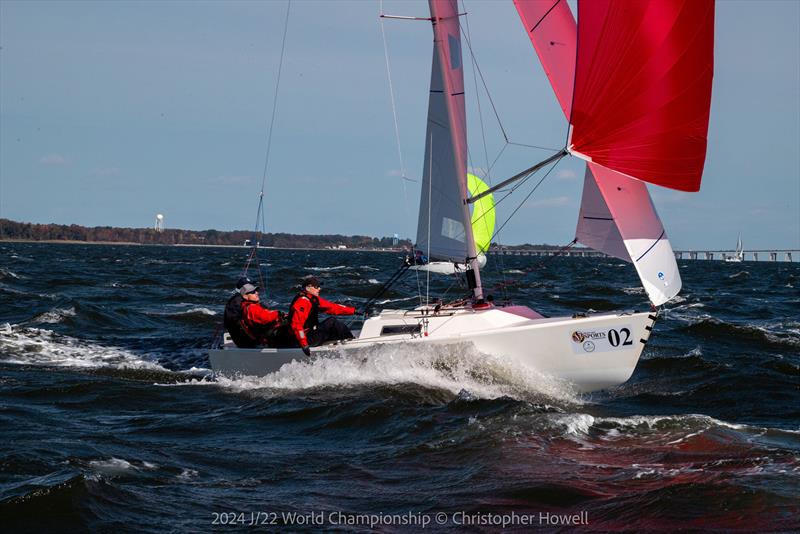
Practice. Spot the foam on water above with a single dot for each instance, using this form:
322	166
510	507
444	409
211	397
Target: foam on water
324	269
579	425
55	315
36	346
5	273
449	368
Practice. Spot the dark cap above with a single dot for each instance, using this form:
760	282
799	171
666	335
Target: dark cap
242	281
310	280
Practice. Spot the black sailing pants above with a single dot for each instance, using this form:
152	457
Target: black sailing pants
331	329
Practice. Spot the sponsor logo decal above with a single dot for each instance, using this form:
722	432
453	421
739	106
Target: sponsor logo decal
614	338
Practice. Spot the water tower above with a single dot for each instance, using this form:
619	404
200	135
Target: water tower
159	223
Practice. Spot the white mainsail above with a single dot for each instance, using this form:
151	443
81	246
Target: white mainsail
444	230
440	210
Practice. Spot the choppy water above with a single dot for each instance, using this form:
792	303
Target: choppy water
111	421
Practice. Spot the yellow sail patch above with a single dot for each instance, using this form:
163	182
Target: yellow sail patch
482	214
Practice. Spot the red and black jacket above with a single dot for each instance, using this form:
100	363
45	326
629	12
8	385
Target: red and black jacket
304	314
243	319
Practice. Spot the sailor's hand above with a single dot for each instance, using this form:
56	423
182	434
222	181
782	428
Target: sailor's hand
306	351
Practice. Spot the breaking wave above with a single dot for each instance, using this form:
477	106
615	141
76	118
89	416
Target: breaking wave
55	315
452	369
35	346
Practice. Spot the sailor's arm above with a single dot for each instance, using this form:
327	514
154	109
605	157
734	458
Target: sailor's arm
332	308
257	314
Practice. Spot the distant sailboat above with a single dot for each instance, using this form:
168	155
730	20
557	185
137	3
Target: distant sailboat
738	256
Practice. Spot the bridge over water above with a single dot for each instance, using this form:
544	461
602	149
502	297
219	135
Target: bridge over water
582	252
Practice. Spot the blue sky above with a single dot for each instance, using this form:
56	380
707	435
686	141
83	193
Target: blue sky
111	112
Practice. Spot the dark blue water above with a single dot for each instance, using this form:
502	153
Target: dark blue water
110	419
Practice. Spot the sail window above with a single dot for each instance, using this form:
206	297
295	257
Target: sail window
455	51
452	229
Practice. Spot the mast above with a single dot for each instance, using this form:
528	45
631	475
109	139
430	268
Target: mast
447	43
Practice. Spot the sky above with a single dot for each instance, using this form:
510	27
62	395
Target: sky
112	112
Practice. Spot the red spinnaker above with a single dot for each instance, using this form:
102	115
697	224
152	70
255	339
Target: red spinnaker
552	29
643	88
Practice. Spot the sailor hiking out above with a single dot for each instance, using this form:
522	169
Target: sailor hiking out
304	317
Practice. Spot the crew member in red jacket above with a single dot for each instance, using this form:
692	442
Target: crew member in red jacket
304	317
249	323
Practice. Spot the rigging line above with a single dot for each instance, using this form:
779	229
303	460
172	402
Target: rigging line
532	191
391	94
532	268
485	87
516	186
275	96
488	174
508	194
478	102
260	216
534	146
403	177
260	210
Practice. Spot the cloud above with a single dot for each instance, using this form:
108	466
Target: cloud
566	174
550	202
53	160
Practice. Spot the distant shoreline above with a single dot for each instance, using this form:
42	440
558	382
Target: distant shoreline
130	243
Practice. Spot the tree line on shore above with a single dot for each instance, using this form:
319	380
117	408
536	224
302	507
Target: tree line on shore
13	230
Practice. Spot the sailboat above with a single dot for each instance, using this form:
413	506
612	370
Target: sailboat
634	82
738	256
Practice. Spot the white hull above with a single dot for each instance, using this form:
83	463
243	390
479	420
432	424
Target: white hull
592	353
